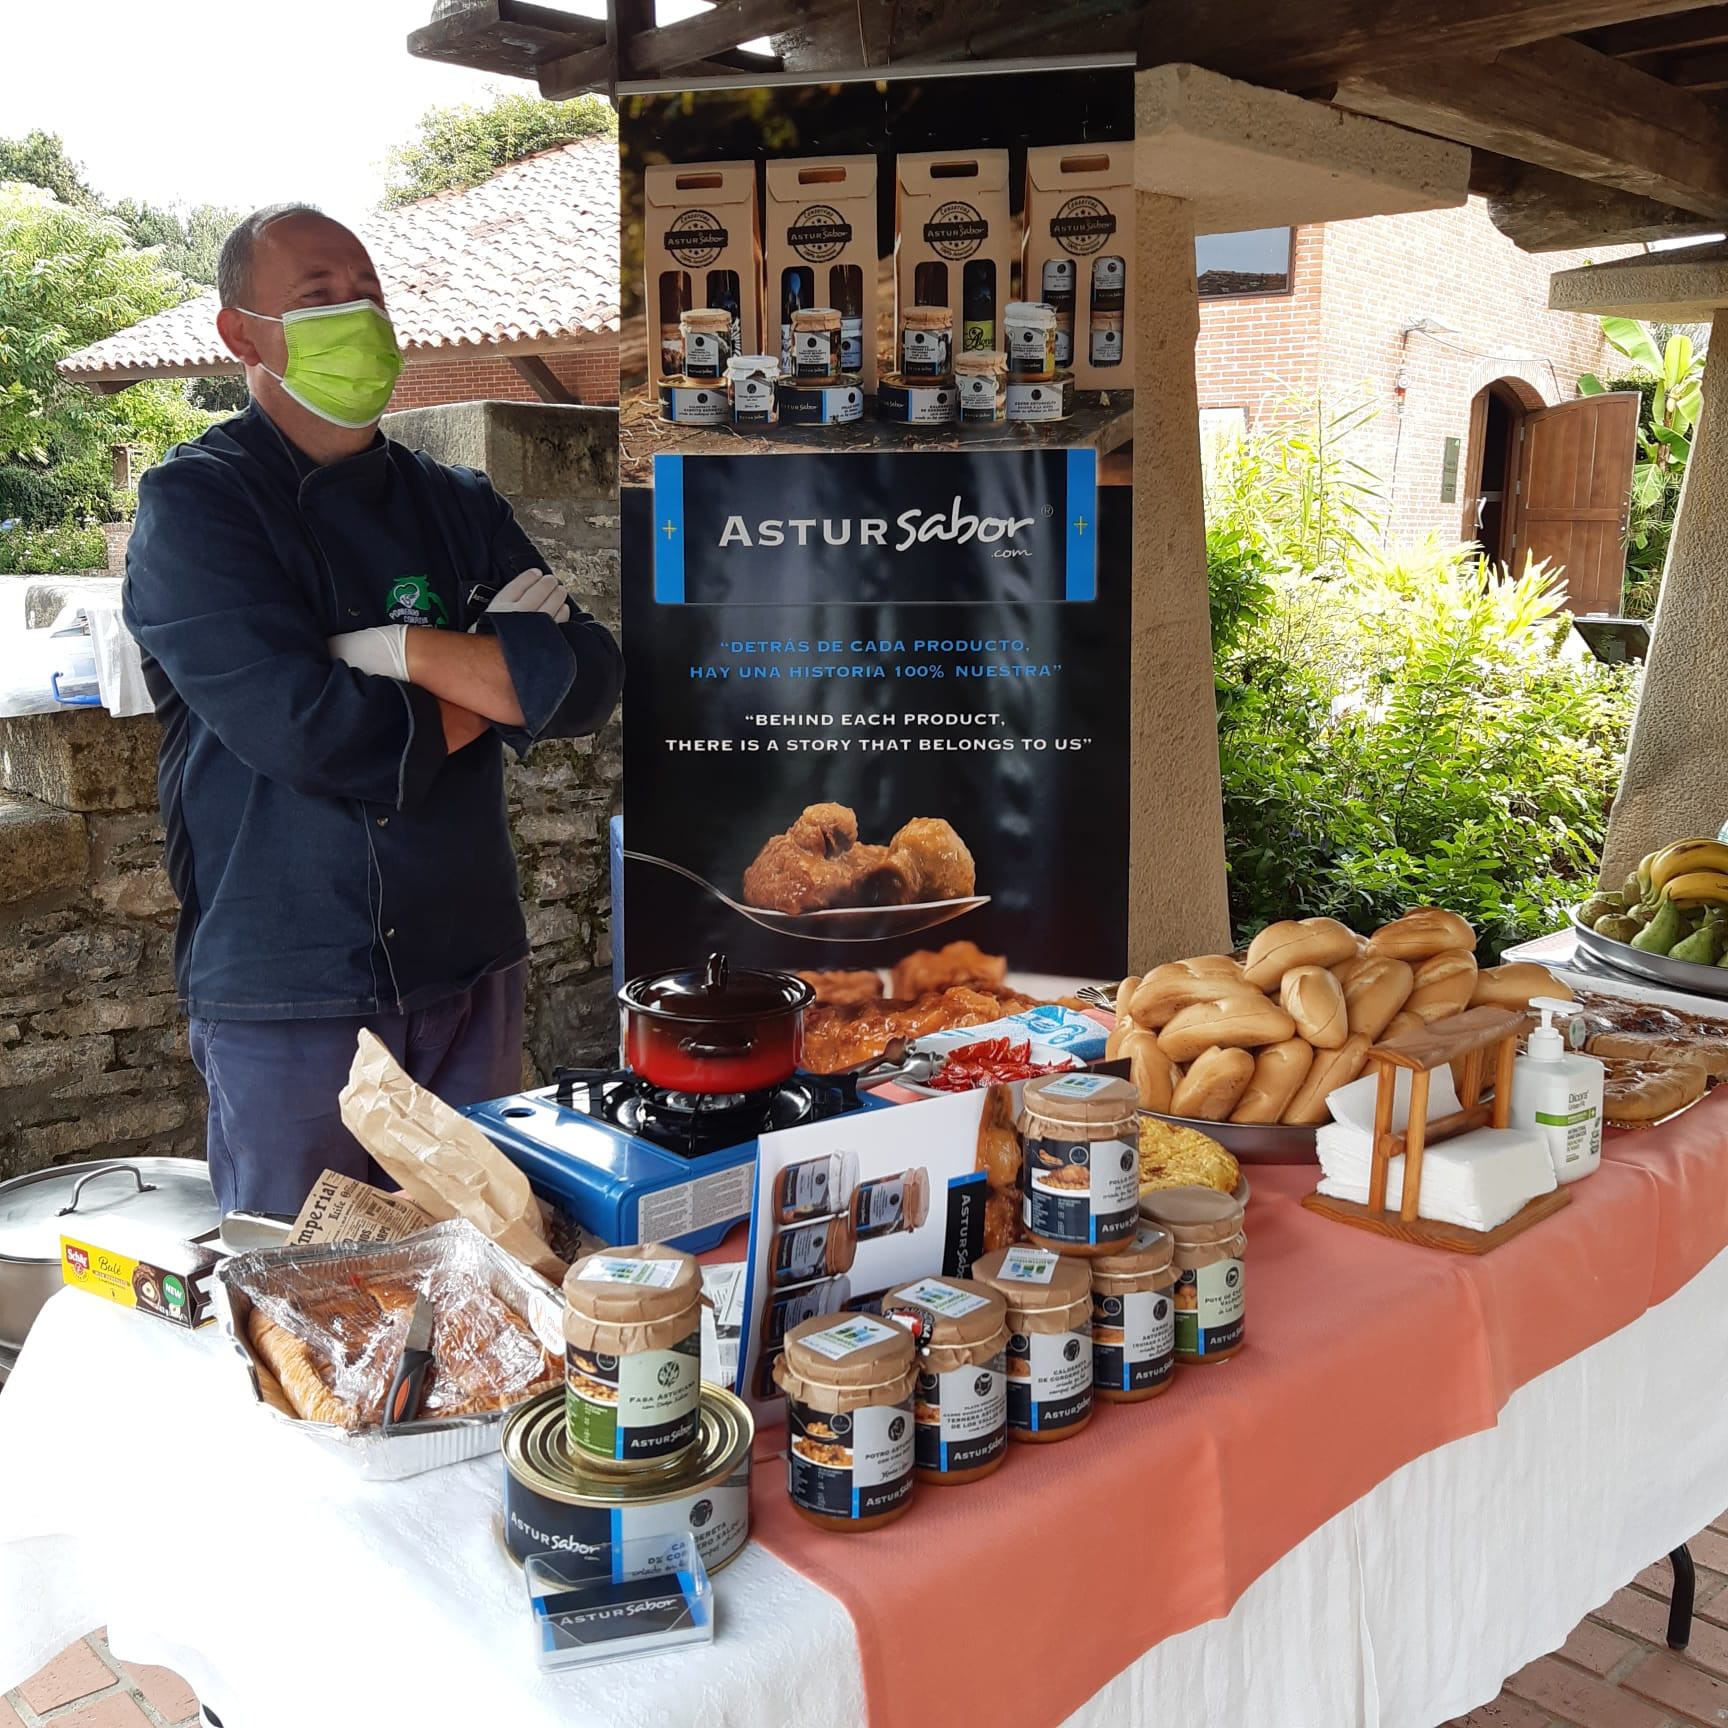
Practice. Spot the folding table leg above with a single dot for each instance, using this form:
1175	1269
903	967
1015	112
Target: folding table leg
1680	1603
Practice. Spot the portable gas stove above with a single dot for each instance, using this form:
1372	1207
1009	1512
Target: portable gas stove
631	1162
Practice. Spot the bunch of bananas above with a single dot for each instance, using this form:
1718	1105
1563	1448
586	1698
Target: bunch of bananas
1674	903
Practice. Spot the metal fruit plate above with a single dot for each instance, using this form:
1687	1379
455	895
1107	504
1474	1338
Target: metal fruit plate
1685	975
1252	1142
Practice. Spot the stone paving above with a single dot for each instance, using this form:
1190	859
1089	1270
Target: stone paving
1615	1671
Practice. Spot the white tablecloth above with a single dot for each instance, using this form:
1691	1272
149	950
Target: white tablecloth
139	1489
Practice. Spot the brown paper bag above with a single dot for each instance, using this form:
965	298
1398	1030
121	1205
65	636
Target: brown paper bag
446	1166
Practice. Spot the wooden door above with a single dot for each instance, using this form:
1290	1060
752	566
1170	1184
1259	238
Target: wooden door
1574	491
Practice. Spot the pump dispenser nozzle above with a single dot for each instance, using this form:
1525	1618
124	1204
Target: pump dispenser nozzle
1546	1043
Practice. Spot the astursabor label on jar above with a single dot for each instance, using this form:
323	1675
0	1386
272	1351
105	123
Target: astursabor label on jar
1082	1190
633	1408
1210	1309
962	1416
1049	1380
850	1463
1133	1339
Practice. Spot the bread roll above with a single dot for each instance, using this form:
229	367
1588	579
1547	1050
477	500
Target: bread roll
1125	995
1444	985
1212	1087
1279	948
1513	986
1118	1036
1236	1019
1376	990
1332	1069
1422	933
1314	999
1345	970
1279	1071
1400	1023
1171	987
1152	1072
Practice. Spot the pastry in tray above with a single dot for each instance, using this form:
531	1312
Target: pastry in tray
1636	1094
335	1352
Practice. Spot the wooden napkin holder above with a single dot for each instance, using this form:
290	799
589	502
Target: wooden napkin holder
1463	1042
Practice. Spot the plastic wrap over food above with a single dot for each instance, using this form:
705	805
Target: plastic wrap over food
329	1325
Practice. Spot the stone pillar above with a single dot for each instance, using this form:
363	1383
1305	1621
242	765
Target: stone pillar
1177	900
1676	780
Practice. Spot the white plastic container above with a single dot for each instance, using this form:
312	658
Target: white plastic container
1559	1095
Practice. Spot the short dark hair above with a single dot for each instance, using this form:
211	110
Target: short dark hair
234	262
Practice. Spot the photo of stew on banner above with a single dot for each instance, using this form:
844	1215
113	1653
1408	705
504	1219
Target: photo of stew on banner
875	553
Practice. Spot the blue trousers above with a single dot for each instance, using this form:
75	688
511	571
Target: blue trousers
275	1123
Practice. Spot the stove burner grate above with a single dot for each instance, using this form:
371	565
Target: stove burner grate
693	1123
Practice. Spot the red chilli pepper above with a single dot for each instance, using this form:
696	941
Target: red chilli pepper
990	1061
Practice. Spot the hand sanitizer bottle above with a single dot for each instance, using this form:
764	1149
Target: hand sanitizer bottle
1559	1095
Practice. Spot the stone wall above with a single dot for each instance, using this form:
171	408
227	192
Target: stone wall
93	1058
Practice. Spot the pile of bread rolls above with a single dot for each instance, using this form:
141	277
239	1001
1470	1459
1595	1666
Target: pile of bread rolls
1269	1038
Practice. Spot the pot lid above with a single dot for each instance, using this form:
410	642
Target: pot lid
716	992
170	1194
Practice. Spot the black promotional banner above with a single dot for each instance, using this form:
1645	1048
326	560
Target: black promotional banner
949	641
878	657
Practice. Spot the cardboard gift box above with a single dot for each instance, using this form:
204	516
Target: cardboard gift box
820	239
702	246
953	241
1079	254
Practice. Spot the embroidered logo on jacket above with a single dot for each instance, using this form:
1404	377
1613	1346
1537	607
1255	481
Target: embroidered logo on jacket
413	600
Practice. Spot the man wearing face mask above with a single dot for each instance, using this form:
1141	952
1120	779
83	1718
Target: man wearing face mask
340	635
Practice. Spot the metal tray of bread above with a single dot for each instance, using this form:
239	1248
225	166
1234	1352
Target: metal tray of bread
414	1446
1686	975
1252	1142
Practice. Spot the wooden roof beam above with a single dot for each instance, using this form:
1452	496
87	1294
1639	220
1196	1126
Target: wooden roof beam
651	53
1701	28
1541	211
512	37
1303	46
1565	107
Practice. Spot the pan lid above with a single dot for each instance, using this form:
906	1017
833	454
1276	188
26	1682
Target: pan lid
716	991
172	1195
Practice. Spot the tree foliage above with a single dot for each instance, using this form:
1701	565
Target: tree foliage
1395	728
462	145
40	159
70	276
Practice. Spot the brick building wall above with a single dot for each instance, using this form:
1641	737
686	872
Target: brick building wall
590	374
1356	285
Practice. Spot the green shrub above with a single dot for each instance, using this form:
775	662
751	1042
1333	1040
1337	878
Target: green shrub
1397	728
48	551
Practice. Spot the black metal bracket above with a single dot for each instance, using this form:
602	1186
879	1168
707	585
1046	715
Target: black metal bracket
1680	1603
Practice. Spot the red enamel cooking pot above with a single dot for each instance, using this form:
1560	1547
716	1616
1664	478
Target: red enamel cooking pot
715	1030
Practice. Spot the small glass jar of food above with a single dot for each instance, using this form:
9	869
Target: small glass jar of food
633	1358
1080	1162
1134	1318
960	1406
982	383
850	1454
820	1248
1109	284
1031	339
754	383
815	1187
1049	1298
1106	339
888	1204
926	342
707	332
816	343
1211	1309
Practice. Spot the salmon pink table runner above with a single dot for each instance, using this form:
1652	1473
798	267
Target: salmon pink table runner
1016	1598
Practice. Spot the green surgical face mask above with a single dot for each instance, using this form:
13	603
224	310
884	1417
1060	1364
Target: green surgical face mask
343	361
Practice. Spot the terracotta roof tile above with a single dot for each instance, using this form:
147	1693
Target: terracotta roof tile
530	255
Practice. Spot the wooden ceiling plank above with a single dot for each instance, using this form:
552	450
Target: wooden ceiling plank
1696	29
1563	106
1704	70
1300	46
717	31
504	36
1541	211
576	74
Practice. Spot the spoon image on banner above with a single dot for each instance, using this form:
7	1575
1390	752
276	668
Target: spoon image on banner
840	924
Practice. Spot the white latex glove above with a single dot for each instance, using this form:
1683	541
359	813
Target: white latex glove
534	591
382	650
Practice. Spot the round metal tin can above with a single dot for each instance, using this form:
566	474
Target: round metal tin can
836	404
694	404
553	1506
1046	400
916	401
